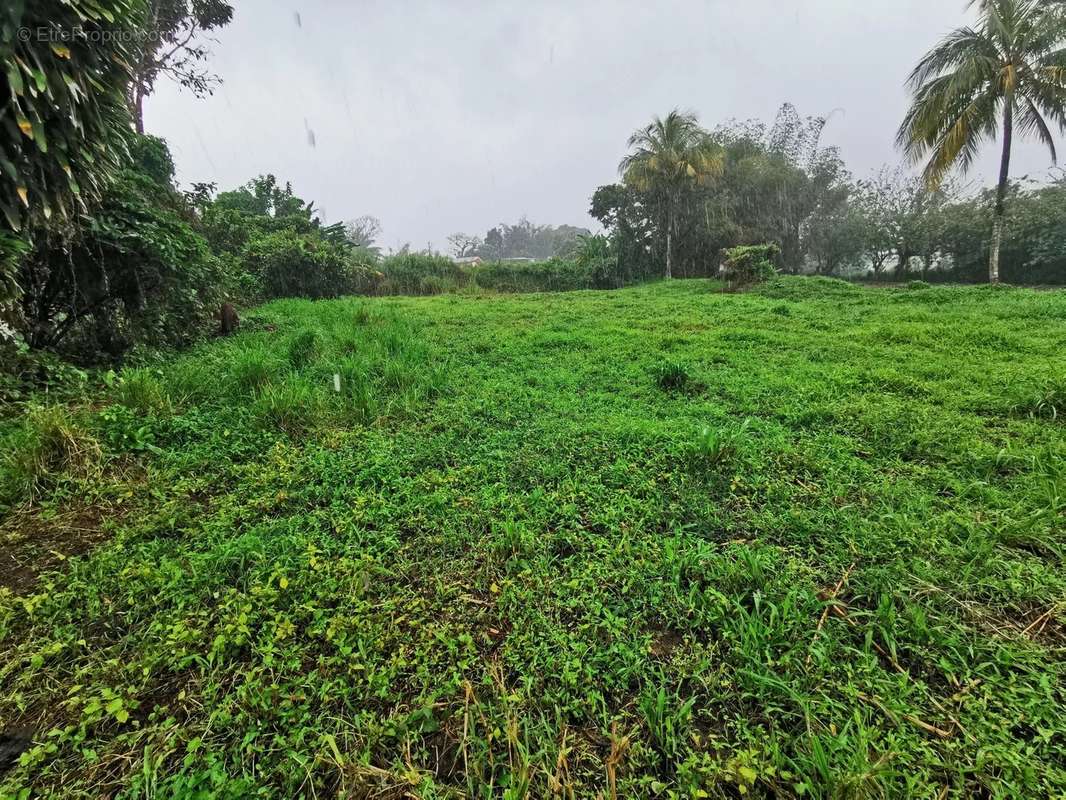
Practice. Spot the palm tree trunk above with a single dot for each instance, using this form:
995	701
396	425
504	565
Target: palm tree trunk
669	244
1001	191
138	109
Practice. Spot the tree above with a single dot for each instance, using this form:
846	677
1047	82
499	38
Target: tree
65	128
363	232
621	212
901	216
667	157
833	237
464	245
132	270
169	47
1009	74
265	196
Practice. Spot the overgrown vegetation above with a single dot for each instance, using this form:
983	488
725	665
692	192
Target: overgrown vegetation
520	554
670	541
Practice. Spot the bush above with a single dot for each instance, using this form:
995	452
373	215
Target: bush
751	264
289	264
418	274
554	275
133	272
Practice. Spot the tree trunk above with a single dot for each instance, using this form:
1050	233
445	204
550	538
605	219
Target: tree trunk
1001	192
904	265
138	108
669	245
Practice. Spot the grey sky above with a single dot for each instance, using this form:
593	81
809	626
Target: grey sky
439	117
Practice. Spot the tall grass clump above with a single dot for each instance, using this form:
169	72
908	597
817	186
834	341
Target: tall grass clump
421	274
292	406
672	376
358	394
252	369
143	391
717	446
48	444
303	349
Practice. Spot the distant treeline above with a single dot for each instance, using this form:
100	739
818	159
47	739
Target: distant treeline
752	183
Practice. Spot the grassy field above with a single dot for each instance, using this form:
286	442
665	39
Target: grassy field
659	542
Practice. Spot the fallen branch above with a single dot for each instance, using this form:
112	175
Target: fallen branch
830	600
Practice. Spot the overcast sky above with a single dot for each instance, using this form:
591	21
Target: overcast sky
448	116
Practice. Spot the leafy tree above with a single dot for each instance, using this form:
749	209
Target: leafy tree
667	158
170	46
265	197
363	232
133	270
464	244
493	245
622	212
1035	252
901	217
1008	74
65	126
289	264
833	237
526	239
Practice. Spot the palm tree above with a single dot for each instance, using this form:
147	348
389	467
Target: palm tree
667	157
1008	73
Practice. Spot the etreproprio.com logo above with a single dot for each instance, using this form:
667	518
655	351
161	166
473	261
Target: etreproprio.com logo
78	34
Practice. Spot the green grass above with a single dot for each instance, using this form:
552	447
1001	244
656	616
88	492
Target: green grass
659	542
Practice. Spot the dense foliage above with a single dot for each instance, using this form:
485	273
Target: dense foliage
803	541
523	240
1005	76
63	120
751	264
778	184
170	43
134	270
62	111
755	184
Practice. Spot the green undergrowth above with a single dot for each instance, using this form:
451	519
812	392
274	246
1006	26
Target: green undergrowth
805	541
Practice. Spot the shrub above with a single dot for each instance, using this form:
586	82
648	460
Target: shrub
419	273
751	264
289	264
133	271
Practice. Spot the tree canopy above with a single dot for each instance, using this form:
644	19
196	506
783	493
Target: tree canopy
1007	75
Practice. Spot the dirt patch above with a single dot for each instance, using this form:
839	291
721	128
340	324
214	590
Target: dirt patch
12	744
31	545
665	642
